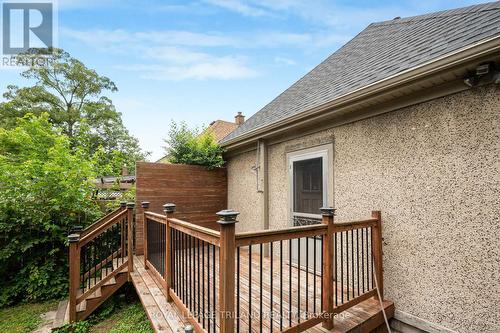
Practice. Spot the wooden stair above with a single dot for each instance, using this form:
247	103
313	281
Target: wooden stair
94	300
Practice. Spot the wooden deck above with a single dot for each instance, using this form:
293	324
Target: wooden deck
165	317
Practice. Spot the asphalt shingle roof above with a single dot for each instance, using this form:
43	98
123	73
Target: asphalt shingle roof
379	51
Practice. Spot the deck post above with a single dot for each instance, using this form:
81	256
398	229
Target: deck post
169	209
377	251
328	292
130	235
74	274
227	222
145	207
123	227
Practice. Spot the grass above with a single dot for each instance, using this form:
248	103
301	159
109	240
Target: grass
121	313
129	318
24	318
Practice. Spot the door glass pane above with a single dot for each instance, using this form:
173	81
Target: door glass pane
308	185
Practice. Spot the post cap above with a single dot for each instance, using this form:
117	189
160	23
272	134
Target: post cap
123	204
188	329
76	229
227	216
169	207
130	205
327	211
145	204
72	238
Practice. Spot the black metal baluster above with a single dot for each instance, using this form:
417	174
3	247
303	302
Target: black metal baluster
198	275
371	259
347	263
191	266
307	277
184	269
357	255
260	285
335	249
321	256
290	283
298	280
342	267
271	315
203	283
215	299
250	313
209	309
237	289
362	260
314	275
281	285
352	260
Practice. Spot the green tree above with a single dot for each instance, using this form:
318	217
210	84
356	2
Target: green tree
45	189
192	146
75	98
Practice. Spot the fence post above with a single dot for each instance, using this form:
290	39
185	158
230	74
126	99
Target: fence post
377	250
130	241
169	209
227	222
328	292
74	274
145	207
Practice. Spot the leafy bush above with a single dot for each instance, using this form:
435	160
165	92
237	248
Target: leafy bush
45	189
191	146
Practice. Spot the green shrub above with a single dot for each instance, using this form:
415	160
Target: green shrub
191	146
45	189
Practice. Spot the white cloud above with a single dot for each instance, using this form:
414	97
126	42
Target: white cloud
284	61
239	7
180	64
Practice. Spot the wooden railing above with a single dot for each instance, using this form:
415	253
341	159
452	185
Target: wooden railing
96	255
285	280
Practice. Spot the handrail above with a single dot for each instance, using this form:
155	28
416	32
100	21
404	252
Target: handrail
99	222
102	228
156	217
352	225
266	236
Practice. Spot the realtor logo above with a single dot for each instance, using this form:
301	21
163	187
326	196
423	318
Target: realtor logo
27	25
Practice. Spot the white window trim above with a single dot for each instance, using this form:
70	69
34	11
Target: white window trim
323	151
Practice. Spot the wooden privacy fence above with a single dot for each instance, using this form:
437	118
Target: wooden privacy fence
197	192
225	281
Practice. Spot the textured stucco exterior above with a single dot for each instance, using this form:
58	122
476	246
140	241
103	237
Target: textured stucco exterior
242	192
433	171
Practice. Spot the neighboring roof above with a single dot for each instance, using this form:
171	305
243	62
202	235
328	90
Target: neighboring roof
380	51
221	128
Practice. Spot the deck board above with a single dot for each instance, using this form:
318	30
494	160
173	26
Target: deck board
363	317
164	317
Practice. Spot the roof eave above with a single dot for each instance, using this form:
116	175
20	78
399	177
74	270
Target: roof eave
451	59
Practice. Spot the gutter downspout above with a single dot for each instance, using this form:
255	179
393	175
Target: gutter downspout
262	150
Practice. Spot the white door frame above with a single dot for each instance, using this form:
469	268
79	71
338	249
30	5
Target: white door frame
325	152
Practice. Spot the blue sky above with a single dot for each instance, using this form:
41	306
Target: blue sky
204	60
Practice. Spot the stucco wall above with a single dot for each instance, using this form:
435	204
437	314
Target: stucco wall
242	192
433	171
